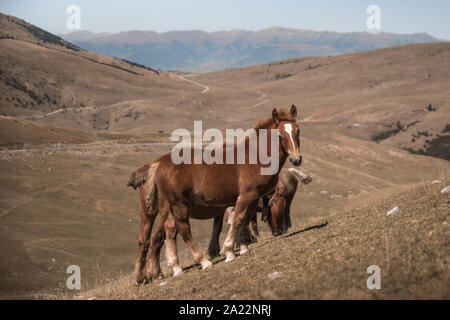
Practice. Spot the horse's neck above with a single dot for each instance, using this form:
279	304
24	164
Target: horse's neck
282	155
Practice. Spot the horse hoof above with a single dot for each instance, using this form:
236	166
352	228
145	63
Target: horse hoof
213	253
230	257
244	250
177	271
206	264
139	281
152	275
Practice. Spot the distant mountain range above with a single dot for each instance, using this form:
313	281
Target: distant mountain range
200	51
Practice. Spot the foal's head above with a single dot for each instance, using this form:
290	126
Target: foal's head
289	134
277	217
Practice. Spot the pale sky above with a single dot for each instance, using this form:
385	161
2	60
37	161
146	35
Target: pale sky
397	16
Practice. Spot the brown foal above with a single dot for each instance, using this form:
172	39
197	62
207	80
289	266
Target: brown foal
203	191
279	214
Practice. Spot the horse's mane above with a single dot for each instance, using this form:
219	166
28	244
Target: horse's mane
267	123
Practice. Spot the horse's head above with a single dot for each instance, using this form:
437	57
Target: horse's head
289	134
277	215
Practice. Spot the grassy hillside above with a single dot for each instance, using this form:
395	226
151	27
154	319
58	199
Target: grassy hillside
396	96
17	133
41	73
328	259
63	207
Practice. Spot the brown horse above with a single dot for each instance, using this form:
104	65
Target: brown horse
183	191
275	210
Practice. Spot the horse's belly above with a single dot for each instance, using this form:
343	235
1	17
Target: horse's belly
204	212
210	198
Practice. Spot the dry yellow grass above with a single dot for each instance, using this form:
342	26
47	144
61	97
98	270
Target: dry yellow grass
72	205
327	259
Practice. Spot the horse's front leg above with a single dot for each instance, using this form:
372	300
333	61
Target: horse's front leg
244	210
171	245
247	234
214	247
243	239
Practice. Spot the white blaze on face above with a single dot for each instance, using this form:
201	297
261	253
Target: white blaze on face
288	129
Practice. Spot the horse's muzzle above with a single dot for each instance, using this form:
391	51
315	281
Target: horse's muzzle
297	161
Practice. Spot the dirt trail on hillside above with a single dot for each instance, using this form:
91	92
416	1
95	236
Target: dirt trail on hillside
261	97
205	87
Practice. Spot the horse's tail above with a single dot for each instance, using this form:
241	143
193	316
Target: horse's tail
138	177
145	177
301	176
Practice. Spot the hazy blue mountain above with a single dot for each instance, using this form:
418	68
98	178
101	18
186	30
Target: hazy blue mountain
202	51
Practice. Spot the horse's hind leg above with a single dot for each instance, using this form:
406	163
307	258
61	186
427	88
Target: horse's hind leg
181	214
153	268
171	246
214	246
147	221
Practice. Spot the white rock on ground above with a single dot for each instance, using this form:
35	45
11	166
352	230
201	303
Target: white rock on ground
393	211
436	181
446	189
272	276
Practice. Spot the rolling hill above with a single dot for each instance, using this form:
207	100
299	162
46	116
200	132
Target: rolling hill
41	73
366	95
396	96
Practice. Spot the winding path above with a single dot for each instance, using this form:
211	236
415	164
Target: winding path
82	108
261	97
205	87
81	147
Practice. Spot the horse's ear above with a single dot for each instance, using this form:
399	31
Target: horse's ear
294	111
275	116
